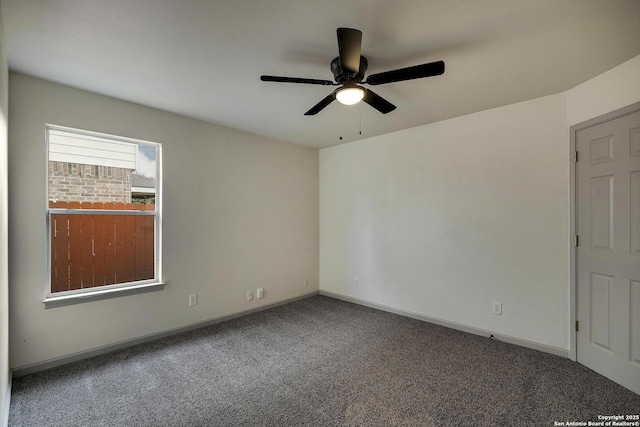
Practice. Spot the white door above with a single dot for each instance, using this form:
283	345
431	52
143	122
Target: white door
608	253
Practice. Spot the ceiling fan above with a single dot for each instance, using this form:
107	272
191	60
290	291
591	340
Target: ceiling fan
348	70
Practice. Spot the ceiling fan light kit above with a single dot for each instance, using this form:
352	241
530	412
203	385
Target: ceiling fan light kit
350	95
348	70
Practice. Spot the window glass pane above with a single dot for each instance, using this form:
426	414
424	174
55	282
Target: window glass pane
93	171
144	177
94	250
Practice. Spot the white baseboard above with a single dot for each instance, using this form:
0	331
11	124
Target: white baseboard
74	357
7	403
460	327
63	360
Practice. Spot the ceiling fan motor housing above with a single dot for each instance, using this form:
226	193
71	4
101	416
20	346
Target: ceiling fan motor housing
345	77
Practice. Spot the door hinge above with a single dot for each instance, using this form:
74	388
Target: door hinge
575	156
577	326
577	240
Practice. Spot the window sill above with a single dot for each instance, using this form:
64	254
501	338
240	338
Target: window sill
59	301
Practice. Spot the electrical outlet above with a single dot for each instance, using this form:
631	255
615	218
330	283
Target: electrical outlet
306	282
259	293
193	300
356	281
249	295
496	308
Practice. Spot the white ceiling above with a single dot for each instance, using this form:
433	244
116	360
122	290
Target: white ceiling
203	58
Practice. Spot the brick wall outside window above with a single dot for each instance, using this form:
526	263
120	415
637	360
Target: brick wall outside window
88	183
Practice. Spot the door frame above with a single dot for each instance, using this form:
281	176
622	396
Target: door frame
573	285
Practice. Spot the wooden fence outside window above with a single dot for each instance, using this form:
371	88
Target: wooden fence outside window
98	249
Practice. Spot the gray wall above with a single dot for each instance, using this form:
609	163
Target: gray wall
240	212
441	220
4	248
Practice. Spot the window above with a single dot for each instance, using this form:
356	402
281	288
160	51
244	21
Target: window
103	222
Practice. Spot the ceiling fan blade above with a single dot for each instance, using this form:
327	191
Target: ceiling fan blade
409	73
349	43
377	102
321	105
297	80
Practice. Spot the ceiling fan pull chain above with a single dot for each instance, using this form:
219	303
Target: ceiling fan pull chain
341	113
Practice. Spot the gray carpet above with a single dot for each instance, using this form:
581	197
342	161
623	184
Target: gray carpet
318	362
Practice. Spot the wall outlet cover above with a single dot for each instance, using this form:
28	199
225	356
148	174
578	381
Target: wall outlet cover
193	300
496	307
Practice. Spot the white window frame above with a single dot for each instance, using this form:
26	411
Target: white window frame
119	289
